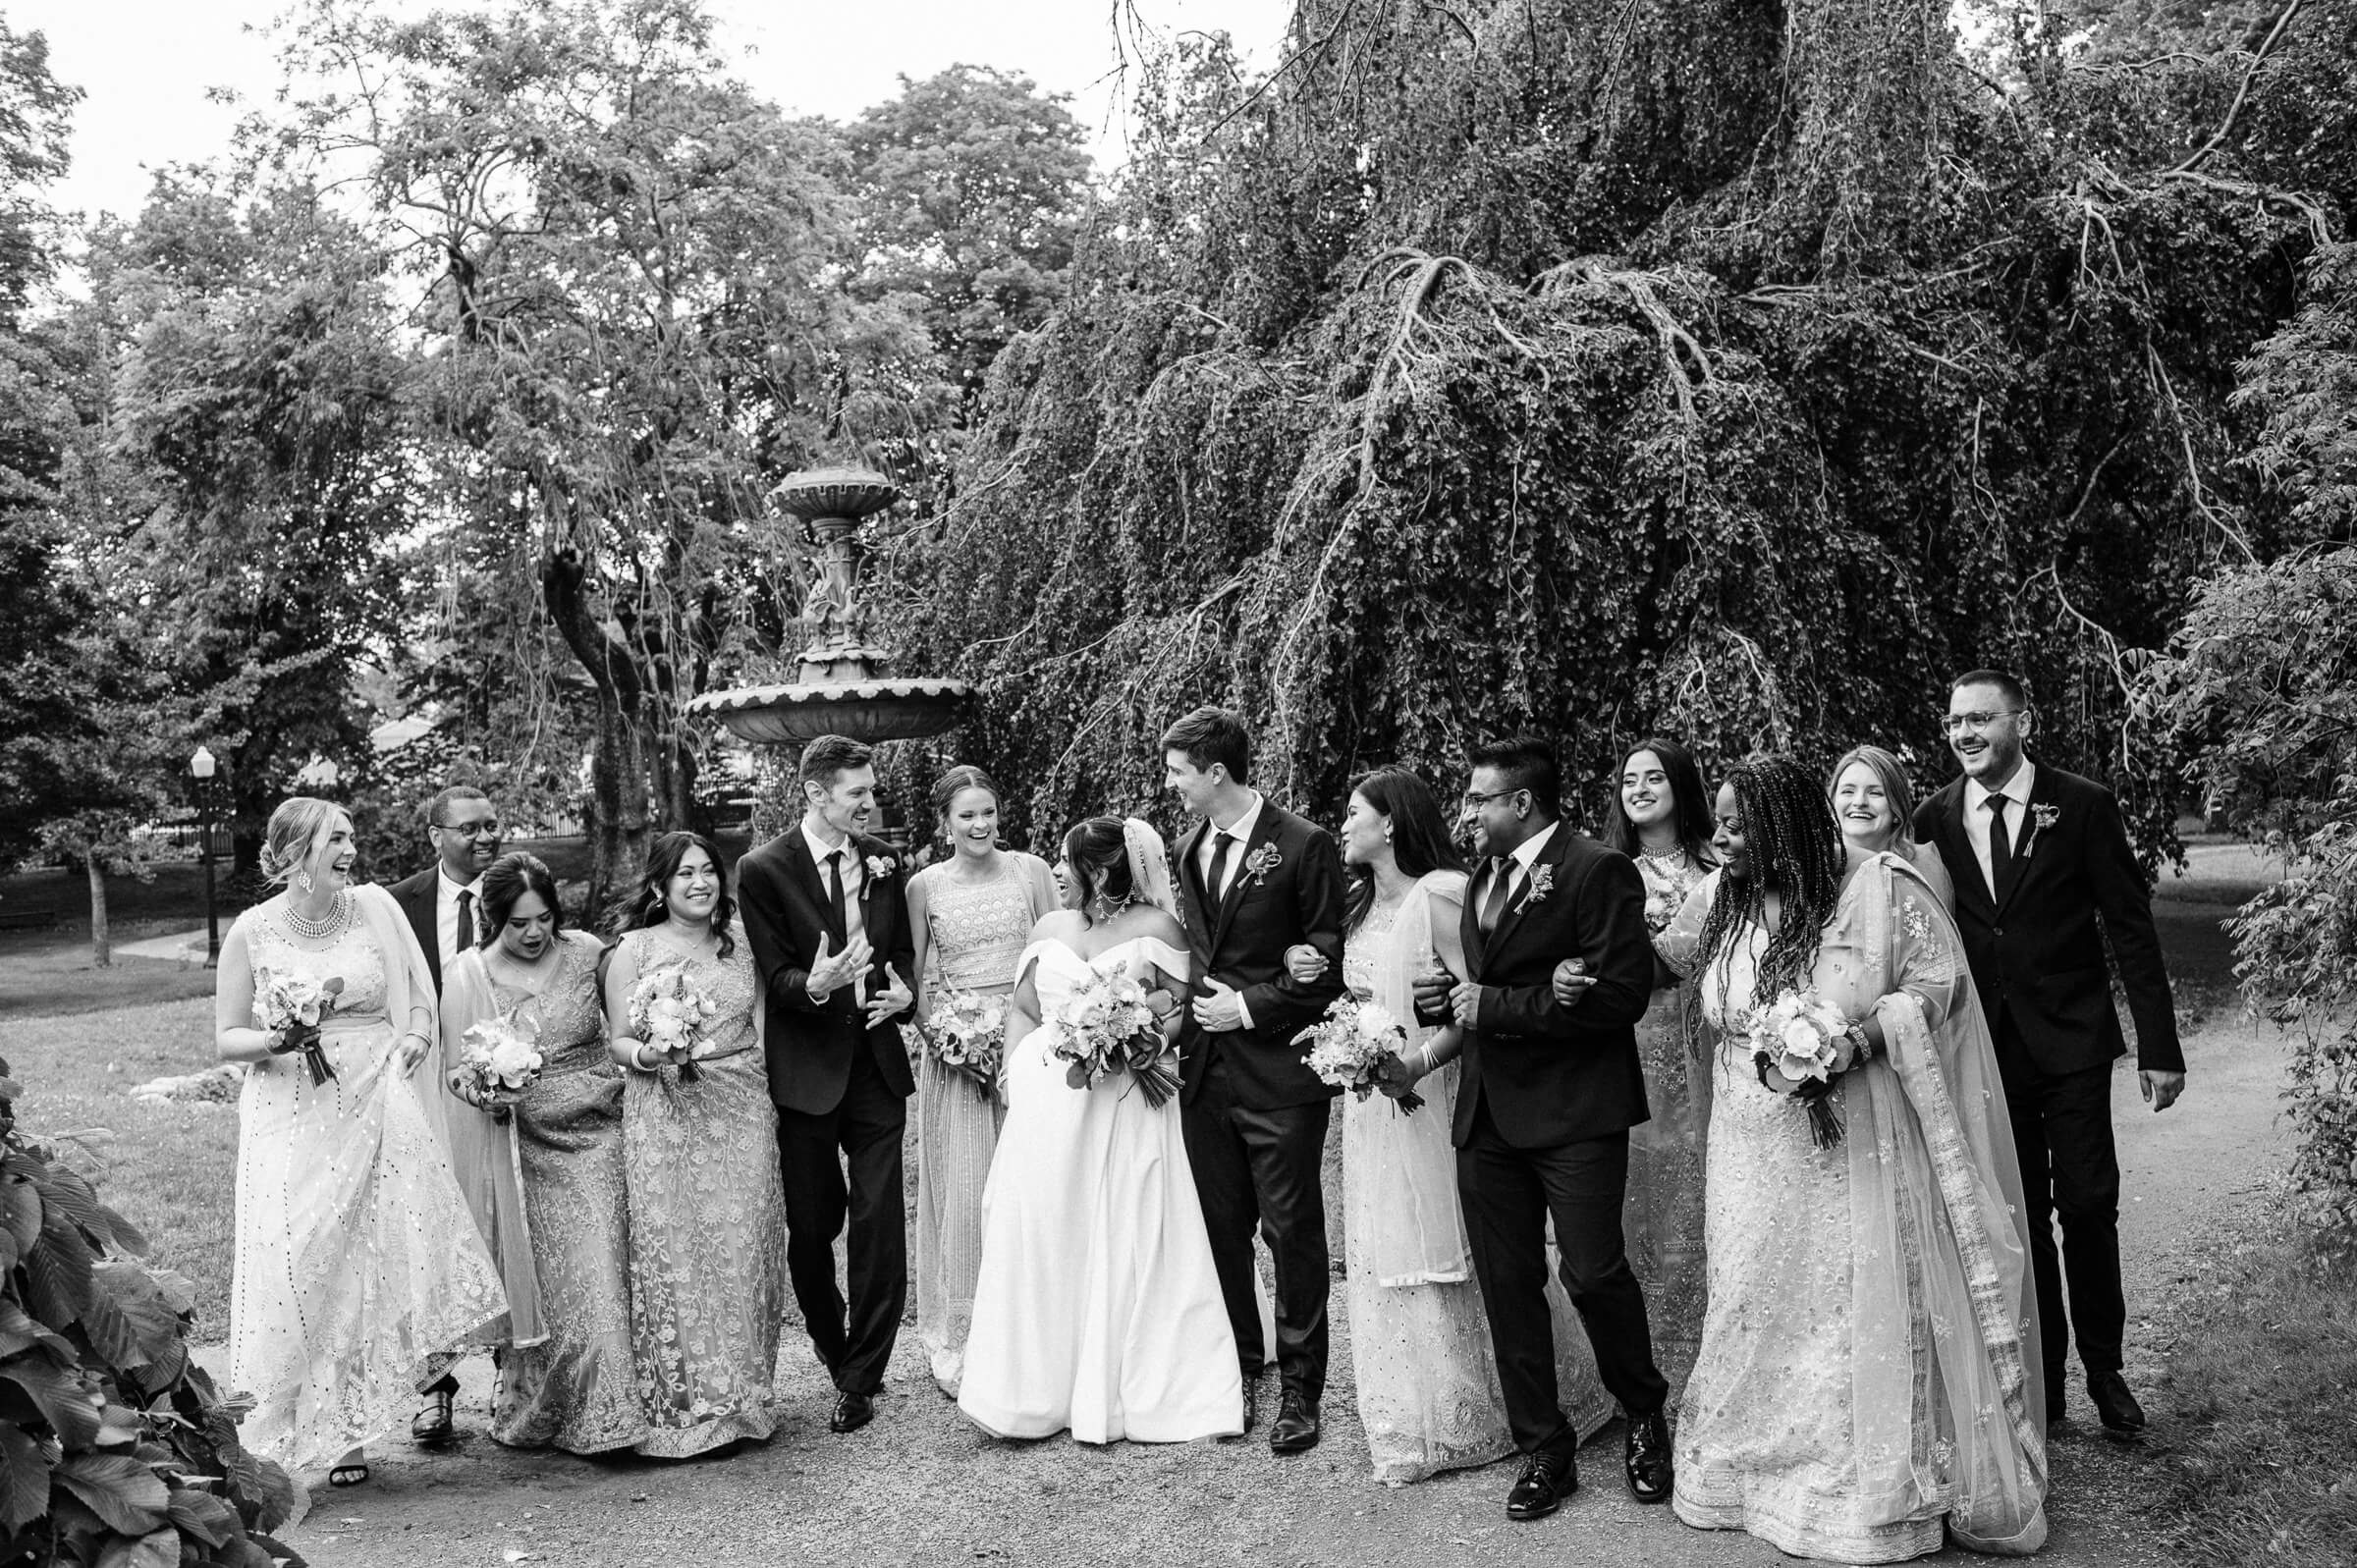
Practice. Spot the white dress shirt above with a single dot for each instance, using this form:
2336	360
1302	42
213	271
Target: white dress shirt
446	936
1240	831
2016	791
855	880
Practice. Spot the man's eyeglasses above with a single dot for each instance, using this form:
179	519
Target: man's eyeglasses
472	830
1474	801
1950	723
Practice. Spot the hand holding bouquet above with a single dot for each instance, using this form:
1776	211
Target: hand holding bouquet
967	1034
1350	1047
668	1012
1106	1025
290	1006
1804	1038
498	1059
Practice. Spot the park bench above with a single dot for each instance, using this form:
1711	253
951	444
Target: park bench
26	914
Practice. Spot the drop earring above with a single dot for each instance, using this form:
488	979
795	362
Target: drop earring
303	881
659	905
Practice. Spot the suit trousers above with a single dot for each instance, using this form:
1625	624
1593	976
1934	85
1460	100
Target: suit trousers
2070	1169
864	1132
1263	1167
1509	1194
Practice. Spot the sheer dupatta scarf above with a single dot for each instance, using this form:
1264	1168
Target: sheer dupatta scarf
1403	1185
482	1149
1936	1200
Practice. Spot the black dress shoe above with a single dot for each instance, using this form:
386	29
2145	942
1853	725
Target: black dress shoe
1296	1428
1650	1473
852	1412
1548	1477
2117	1406
432	1426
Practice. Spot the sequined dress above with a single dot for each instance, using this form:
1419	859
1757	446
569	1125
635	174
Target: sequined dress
576	1390
357	1258
1424	1364
978	933
1662	1218
707	1237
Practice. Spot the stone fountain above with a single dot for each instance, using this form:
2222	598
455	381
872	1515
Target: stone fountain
842	687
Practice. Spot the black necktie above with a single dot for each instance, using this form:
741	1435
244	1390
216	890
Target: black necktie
468	936
1223	842
1492	903
2000	848
843	921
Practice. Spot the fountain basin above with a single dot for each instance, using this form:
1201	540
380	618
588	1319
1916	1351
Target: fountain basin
872	710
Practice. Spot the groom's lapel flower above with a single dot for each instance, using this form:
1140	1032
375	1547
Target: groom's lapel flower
1541	883
1261	861
881	866
2042	817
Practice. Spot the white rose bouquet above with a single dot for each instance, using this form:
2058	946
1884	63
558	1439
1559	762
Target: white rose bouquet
967	1034
668	1012
1800	1035
292	1005
1348	1046
498	1059
1105	1027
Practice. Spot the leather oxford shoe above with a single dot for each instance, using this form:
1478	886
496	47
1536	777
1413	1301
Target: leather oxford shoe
1648	1460
852	1412
1296	1427
2118	1409
1548	1477
432	1426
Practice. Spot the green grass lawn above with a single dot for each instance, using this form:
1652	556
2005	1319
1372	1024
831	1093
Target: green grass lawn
170	1170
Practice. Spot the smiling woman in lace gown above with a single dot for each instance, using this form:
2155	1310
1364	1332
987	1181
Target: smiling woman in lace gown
357	1259
708	1216
1869	1379
573	1385
972	916
1098	1309
1426	1371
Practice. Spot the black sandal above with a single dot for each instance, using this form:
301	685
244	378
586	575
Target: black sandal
347	1475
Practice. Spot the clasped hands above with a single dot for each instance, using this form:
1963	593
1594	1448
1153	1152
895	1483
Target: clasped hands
831	971
1392	1076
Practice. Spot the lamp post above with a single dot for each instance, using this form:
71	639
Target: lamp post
203	769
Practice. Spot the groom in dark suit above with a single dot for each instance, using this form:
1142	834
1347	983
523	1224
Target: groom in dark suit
2045	874
1546	1096
826	912
1256	880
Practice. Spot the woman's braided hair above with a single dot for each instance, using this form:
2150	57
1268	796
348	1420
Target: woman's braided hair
1794	849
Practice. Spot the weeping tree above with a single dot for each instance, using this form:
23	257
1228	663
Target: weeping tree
1731	368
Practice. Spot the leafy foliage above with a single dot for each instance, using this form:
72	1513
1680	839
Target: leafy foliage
2259	690
116	1449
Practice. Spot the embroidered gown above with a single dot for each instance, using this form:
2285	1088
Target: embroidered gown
978	931
357	1258
707	1237
1662	1218
1869	1377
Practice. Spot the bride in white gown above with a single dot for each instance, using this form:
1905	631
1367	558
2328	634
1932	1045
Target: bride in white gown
1097	1308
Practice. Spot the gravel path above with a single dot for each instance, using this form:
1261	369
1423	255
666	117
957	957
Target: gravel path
921	1485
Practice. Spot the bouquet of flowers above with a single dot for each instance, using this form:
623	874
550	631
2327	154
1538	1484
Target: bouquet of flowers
1799	1034
290	1005
1105	1027
668	1012
968	1033
498	1059
1350	1044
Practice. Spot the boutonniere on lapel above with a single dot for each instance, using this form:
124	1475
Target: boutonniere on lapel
2042	817
1541	883
881	866
1260	862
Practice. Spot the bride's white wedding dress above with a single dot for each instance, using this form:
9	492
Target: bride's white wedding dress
1096	1308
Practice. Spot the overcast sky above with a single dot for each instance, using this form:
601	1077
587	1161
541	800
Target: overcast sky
147	64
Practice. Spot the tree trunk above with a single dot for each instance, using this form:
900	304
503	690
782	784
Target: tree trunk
103	946
619	773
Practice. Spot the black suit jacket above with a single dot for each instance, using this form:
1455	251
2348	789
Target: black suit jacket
1553	1074
810	1045
1295	898
2037	954
415	896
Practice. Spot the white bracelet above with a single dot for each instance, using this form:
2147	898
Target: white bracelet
639	1056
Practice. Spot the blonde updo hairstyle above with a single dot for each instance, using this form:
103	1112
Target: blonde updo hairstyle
292	840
